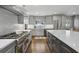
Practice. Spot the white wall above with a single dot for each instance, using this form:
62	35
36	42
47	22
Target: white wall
7	21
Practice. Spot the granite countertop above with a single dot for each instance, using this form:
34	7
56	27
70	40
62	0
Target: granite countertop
71	38
4	43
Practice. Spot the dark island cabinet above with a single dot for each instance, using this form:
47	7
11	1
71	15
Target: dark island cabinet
57	46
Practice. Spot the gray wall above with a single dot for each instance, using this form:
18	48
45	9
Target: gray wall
7	21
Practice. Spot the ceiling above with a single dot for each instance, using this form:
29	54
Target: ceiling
42	10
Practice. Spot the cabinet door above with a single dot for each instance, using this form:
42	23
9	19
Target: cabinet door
48	20
60	47
38	32
20	19
64	49
51	42
49	39
56	44
32	20
45	33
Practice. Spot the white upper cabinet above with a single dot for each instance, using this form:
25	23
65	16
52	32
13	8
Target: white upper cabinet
26	20
31	20
66	22
49	20
36	19
76	22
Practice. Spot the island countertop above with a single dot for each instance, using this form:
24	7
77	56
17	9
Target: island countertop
5	42
71	38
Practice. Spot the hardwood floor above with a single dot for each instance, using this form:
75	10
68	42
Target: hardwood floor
38	45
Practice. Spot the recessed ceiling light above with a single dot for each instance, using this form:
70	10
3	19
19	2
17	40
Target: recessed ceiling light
37	13
27	13
73	12
55	12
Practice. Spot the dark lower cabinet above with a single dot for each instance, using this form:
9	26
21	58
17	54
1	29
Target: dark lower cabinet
64	49
58	46
44	32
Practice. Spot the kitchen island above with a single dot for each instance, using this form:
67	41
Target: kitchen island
68	40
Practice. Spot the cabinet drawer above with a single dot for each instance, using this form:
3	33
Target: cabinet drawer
11	50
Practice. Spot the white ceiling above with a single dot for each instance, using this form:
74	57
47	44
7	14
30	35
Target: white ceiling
51	9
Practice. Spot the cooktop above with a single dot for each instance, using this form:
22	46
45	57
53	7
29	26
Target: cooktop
10	36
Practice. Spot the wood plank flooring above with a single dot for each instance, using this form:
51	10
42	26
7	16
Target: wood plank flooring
38	45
